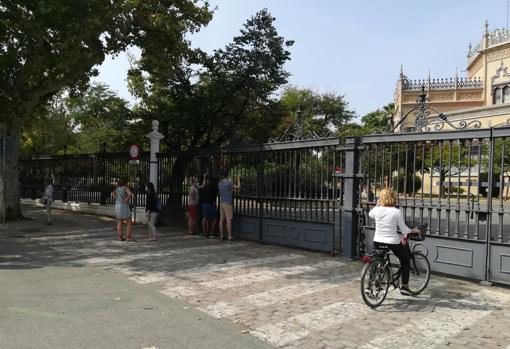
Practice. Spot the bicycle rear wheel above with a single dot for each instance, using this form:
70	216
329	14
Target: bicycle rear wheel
374	284
420	273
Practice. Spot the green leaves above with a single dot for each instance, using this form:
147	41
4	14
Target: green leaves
217	99
323	112
49	45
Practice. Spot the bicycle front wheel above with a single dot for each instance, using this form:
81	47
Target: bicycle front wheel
374	284
420	273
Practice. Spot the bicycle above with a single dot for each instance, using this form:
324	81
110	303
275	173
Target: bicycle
377	277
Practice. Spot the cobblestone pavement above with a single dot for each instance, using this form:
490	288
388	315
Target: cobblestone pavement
293	298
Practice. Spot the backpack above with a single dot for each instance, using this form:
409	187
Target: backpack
159	206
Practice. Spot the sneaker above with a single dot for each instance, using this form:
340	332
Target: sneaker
404	291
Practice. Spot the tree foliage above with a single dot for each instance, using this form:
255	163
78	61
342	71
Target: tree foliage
217	99
325	113
50	130
46	46
95	120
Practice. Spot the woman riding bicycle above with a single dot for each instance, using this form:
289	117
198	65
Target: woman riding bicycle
387	219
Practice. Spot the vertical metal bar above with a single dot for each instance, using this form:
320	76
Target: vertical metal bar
375	170
422	203
390	170
414	180
398	174
406	174
349	216
382	167
488	229
318	185
458	208
480	184
468	211
333	184
501	192
369	180
294	168
441	186
448	203
431	184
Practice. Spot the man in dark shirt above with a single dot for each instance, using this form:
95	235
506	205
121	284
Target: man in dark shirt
208	198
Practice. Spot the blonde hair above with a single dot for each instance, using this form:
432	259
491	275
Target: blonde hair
387	197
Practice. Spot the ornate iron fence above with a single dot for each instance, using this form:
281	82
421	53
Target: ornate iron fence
455	181
86	178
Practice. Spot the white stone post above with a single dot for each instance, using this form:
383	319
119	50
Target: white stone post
155	138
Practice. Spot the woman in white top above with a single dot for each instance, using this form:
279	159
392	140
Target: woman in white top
387	219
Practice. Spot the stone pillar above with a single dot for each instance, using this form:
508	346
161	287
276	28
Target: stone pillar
155	137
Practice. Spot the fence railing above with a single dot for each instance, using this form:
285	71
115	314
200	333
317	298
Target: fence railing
456	182
86	178
292	181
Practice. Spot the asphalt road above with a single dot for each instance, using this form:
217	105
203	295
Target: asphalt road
49	302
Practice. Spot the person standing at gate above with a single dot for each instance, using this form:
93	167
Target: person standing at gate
151	210
48	198
193	209
209	212
122	195
225	189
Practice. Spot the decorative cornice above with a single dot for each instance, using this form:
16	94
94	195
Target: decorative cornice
439	84
478	112
498	55
501	70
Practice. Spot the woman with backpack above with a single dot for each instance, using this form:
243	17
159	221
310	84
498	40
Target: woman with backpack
151	210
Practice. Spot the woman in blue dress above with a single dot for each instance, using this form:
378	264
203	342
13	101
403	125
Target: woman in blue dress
122	195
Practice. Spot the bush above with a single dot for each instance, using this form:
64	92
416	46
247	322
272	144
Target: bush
409	181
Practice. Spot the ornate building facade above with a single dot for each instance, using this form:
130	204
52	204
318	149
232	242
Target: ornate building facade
482	98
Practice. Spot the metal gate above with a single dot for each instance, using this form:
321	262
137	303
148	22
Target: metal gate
455	181
288	191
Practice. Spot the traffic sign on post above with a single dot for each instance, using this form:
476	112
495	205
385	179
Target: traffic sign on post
135	153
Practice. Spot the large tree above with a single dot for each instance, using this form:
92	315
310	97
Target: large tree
222	98
51	130
48	45
324	113
103	118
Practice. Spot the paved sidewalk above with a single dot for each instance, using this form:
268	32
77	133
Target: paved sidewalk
53	300
284	297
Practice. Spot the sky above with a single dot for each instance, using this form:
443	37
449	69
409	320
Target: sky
352	47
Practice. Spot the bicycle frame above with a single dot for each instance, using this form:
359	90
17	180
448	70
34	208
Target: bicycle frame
394	276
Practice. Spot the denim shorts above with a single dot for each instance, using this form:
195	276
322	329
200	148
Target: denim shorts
209	212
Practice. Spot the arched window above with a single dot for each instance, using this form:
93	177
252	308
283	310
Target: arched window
498	96
506	94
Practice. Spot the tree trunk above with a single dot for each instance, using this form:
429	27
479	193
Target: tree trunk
9	177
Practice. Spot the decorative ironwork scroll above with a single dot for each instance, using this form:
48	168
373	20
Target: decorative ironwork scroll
427	118
299	131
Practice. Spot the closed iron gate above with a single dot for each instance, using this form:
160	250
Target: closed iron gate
288	191
457	182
